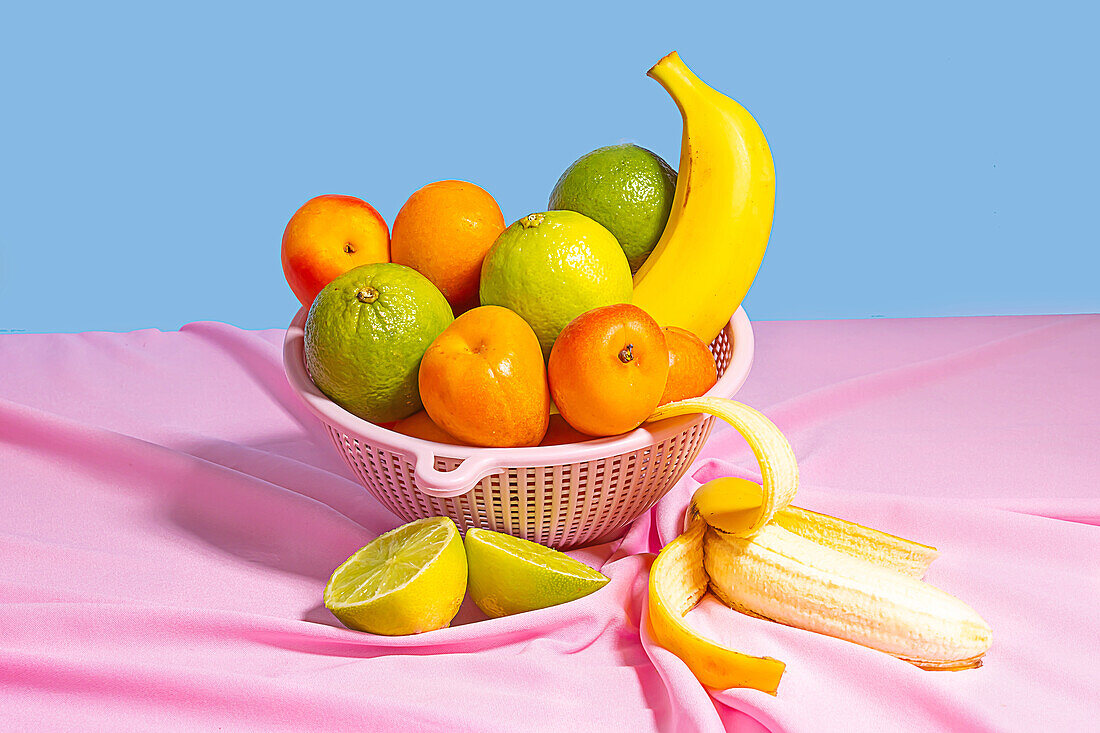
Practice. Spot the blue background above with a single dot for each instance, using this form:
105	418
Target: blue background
932	158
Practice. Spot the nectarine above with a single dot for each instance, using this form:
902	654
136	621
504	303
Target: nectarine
483	380
328	236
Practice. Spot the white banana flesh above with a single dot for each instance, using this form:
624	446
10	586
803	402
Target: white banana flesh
905	556
781	576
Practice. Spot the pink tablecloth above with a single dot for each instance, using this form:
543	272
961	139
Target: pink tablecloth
169	514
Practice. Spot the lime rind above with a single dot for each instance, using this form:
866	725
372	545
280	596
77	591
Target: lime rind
508	575
534	554
553	266
365	335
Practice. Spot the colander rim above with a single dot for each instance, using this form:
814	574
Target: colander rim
739	330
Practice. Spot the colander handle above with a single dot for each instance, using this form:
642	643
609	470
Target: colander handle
456	482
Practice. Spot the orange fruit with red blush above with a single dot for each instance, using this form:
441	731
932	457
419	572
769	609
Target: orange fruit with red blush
327	236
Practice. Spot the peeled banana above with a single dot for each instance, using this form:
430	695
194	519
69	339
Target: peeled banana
725	503
783	577
721	218
768	559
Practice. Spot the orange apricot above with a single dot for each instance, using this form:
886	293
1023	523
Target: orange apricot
483	380
691	367
561	432
420	425
608	369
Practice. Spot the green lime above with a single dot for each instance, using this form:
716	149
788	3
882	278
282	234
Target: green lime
509	575
365	335
409	580
626	188
553	266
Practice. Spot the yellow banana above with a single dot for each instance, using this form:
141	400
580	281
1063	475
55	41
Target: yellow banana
721	217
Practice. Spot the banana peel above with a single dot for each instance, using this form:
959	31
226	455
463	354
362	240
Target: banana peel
756	553
778	468
677	582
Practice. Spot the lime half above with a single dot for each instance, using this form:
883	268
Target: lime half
409	580
509	575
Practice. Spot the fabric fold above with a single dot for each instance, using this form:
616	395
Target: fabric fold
169	513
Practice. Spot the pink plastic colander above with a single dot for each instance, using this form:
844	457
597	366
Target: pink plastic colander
562	496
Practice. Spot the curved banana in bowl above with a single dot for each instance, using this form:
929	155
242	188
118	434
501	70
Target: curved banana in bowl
721	216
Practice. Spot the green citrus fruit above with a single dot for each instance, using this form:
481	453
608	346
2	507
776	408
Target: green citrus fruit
551	267
409	580
626	188
508	575
365	335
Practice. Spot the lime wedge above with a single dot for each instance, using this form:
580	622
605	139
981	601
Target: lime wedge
509	575
409	580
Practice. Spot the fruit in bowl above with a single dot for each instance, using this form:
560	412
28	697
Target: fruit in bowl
483	380
328	236
551	267
608	369
420	425
365	335
560	432
443	232
627	189
691	367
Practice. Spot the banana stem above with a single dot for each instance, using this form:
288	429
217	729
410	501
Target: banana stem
677	79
